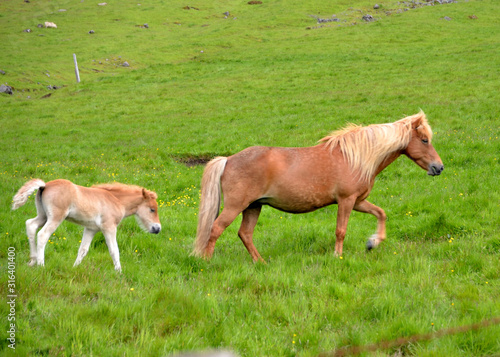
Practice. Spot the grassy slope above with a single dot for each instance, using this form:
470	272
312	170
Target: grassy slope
262	78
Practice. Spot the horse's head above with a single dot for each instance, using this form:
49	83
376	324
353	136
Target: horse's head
420	148
147	212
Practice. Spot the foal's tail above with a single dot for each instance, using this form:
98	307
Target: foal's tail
24	192
211	193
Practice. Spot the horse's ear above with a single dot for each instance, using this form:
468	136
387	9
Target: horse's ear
417	120
145	194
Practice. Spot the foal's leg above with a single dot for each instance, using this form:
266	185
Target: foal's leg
110	237
344	211
32	225
367	207
226	217
88	235
250	217
43	237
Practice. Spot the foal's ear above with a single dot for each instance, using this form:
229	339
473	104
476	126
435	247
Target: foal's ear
149	194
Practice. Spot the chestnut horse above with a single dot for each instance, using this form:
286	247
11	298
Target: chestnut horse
341	170
97	208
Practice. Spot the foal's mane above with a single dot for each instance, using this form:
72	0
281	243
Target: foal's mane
119	189
365	148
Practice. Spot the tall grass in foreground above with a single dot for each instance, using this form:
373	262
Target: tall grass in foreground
262	79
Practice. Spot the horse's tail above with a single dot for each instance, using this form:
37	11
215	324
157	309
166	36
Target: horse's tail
211	193
24	192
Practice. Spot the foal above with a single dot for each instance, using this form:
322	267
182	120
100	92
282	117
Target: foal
97	208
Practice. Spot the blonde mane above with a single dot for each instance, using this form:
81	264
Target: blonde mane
365	148
116	186
121	189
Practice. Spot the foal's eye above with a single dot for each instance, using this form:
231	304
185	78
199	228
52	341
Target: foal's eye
425	141
152	210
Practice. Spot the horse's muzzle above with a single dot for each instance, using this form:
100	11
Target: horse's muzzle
435	169
155	229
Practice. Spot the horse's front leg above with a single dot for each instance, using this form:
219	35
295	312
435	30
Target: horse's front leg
88	235
110	236
367	207
344	211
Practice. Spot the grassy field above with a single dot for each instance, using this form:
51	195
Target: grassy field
201	83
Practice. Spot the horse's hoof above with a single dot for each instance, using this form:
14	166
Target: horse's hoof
370	245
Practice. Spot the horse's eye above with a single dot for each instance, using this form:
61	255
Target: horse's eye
152	210
425	141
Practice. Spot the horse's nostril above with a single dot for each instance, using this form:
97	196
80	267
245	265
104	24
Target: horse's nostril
155	230
437	169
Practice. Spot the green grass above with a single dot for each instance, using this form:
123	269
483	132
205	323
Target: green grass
266	76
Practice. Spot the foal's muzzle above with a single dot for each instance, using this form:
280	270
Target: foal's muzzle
155	229
435	169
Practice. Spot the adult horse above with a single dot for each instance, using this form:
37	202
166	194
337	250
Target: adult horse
341	170
97	208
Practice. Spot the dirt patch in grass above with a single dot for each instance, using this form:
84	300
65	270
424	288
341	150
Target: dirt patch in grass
196	160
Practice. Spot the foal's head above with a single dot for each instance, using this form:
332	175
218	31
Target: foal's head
420	148
147	212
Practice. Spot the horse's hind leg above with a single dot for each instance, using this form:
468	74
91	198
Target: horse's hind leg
367	207
88	235
43	237
226	217
32	226
250	217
